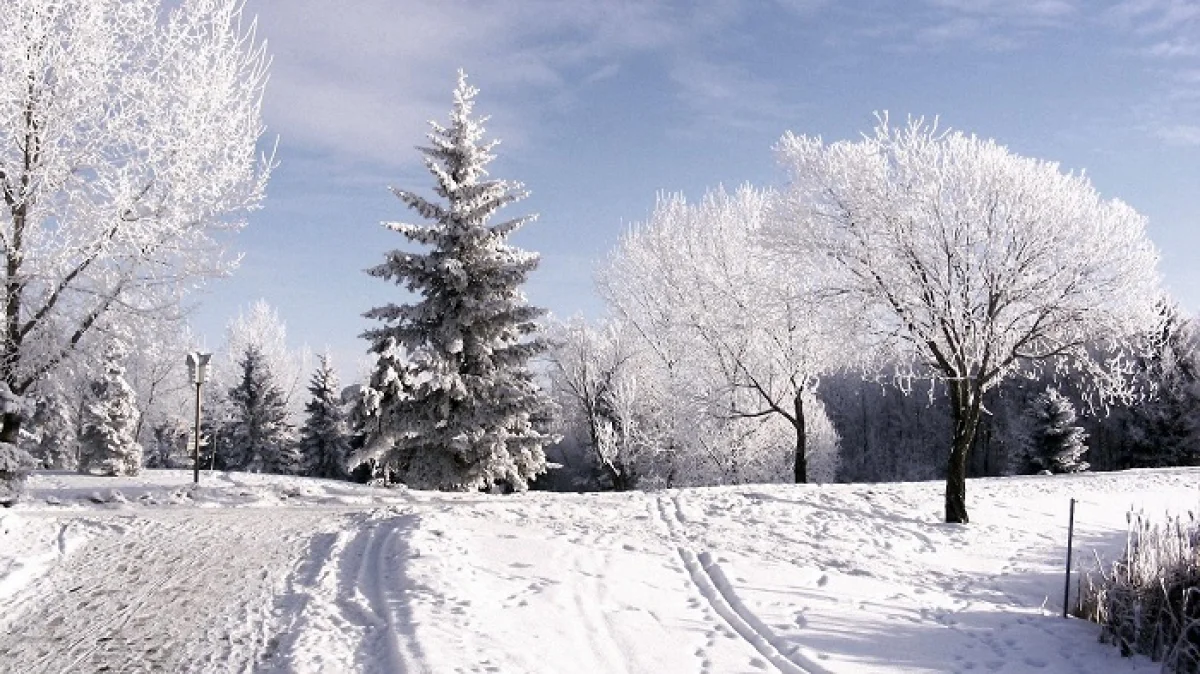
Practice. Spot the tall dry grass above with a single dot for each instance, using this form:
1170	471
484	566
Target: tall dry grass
1148	601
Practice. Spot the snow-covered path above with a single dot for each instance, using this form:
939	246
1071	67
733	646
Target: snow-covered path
167	591
281	575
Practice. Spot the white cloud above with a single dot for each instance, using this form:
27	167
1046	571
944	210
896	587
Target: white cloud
1174	48
359	80
727	96
1179	134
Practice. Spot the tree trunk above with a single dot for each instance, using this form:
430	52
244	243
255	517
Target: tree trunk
800	467
964	402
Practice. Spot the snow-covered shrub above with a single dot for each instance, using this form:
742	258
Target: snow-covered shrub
169	444
57	446
15	463
1148	602
1056	444
15	466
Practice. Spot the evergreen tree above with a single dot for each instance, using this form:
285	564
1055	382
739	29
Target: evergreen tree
456	404
259	439
1056	444
58	446
324	438
107	443
1164	429
168	447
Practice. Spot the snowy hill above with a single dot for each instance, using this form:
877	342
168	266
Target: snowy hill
277	574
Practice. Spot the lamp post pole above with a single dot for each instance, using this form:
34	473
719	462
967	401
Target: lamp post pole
196	440
198	369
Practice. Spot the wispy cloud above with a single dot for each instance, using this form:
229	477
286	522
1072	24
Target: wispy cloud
362	80
1164	32
1179	134
1151	17
1173	48
728	96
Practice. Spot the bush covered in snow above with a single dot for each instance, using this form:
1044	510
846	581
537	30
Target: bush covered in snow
1148	602
15	466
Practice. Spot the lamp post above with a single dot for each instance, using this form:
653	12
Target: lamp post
198	370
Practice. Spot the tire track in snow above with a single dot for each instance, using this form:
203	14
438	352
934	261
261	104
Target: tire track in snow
714	587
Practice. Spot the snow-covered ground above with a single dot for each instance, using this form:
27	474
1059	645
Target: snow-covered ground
277	574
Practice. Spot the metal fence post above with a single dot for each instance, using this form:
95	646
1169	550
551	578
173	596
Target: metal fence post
1070	541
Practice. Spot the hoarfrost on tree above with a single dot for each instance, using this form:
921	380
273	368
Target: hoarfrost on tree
1055	443
258	438
704	295
127	141
108	443
324	438
970	264
457	405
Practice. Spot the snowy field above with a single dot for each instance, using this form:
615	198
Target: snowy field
276	574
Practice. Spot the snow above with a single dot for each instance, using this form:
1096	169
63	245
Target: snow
286	574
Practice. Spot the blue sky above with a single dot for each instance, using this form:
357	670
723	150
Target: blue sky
601	105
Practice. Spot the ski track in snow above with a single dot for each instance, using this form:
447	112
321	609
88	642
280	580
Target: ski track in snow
712	585
287	576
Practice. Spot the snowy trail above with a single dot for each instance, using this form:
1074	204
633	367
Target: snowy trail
170	591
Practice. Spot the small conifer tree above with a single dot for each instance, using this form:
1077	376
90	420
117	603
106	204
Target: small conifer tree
169	444
107	443
324	438
456	405
1164	428
58	446
259	438
1056	444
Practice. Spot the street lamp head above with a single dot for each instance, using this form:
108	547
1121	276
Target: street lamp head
198	367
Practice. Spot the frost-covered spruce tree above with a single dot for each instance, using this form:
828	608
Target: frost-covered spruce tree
108	444
259	439
169	444
1056	444
462	411
58	446
324	438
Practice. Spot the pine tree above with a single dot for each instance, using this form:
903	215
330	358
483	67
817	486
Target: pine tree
1164	429
169	444
456	404
1056	444
259	439
58	446
324	438
110	416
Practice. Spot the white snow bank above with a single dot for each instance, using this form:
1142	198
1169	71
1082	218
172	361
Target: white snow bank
165	488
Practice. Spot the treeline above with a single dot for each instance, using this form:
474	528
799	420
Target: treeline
862	429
